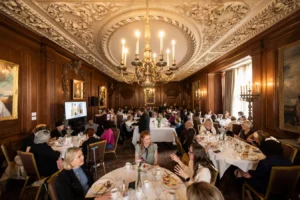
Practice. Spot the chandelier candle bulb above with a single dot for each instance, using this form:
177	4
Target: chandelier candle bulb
173	49
161	36
256	87
137	34
123	48
168	59
125	56
154	57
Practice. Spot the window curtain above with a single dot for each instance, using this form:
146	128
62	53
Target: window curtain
229	86
242	76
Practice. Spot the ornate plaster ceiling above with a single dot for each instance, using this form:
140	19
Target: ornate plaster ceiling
204	30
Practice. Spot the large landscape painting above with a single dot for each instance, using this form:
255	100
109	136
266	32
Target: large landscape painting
8	90
289	90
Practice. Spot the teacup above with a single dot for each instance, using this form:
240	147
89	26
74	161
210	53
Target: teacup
147	183
114	193
139	194
128	165
172	195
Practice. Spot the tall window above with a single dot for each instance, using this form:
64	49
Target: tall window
242	76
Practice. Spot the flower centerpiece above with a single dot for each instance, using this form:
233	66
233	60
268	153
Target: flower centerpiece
159	118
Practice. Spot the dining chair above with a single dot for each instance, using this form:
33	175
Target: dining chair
289	152
199	128
116	135
216	126
119	120
51	186
236	128
185	159
95	155
214	175
179	145
8	152
32	174
282	183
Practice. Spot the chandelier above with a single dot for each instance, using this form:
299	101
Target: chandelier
147	70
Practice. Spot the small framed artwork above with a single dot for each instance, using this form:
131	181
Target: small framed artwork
289	92
8	90
77	89
102	96
149	95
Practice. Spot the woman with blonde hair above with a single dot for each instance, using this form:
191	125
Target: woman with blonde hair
73	182
246	130
146	150
207	127
203	191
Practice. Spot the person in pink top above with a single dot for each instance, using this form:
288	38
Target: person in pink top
108	135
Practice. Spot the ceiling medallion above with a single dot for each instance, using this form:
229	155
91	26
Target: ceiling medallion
147	71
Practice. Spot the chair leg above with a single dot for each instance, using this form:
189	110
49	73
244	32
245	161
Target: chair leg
115	155
24	186
104	168
38	192
243	191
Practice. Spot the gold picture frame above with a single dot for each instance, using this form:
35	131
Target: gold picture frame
102	95
149	95
196	95
9	73
77	89
289	92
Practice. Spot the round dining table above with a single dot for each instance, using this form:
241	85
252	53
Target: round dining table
124	175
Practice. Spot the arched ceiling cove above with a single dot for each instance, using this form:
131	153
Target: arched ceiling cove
204	30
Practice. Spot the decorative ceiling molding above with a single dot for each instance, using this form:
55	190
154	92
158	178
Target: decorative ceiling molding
211	30
191	41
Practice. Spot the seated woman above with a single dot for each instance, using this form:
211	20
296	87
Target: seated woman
46	158
203	191
258	137
146	150
108	135
259	178
199	168
91	139
172	119
207	127
74	181
246	130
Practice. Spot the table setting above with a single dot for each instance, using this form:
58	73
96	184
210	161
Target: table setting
224	151
139	181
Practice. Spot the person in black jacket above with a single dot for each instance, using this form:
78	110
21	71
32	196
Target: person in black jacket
46	158
59	131
85	144
144	122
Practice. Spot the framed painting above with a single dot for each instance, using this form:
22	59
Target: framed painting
289	90
8	90
77	89
102	93
149	95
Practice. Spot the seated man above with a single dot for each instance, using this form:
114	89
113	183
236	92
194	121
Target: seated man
92	125
91	139
59	131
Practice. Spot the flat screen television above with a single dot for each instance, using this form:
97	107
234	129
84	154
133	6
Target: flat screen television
75	109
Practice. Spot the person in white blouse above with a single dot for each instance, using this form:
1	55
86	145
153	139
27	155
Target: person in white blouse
207	127
129	122
199	168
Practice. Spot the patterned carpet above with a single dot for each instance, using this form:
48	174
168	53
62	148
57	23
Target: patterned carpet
125	153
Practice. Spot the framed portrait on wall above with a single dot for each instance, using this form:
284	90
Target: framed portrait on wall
77	89
289	90
149	95
102	94
8	90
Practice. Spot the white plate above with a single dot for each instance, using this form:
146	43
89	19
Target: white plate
96	188
252	157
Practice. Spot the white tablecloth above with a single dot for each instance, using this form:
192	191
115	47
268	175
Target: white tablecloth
228	156
76	142
130	175
162	134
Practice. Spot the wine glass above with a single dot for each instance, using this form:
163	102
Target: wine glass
153	173
158	191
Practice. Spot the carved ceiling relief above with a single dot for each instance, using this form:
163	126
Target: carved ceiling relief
216	18
83	16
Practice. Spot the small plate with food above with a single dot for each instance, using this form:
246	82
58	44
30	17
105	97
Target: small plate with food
171	181
102	186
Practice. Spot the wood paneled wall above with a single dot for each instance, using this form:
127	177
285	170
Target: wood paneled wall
40	79
264	52
133	95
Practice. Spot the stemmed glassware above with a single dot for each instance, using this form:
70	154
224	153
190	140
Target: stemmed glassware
154	172
158	191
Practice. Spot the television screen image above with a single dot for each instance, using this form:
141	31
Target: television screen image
75	109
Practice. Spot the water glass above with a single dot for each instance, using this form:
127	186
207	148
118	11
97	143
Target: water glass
131	194
154	173
158	191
